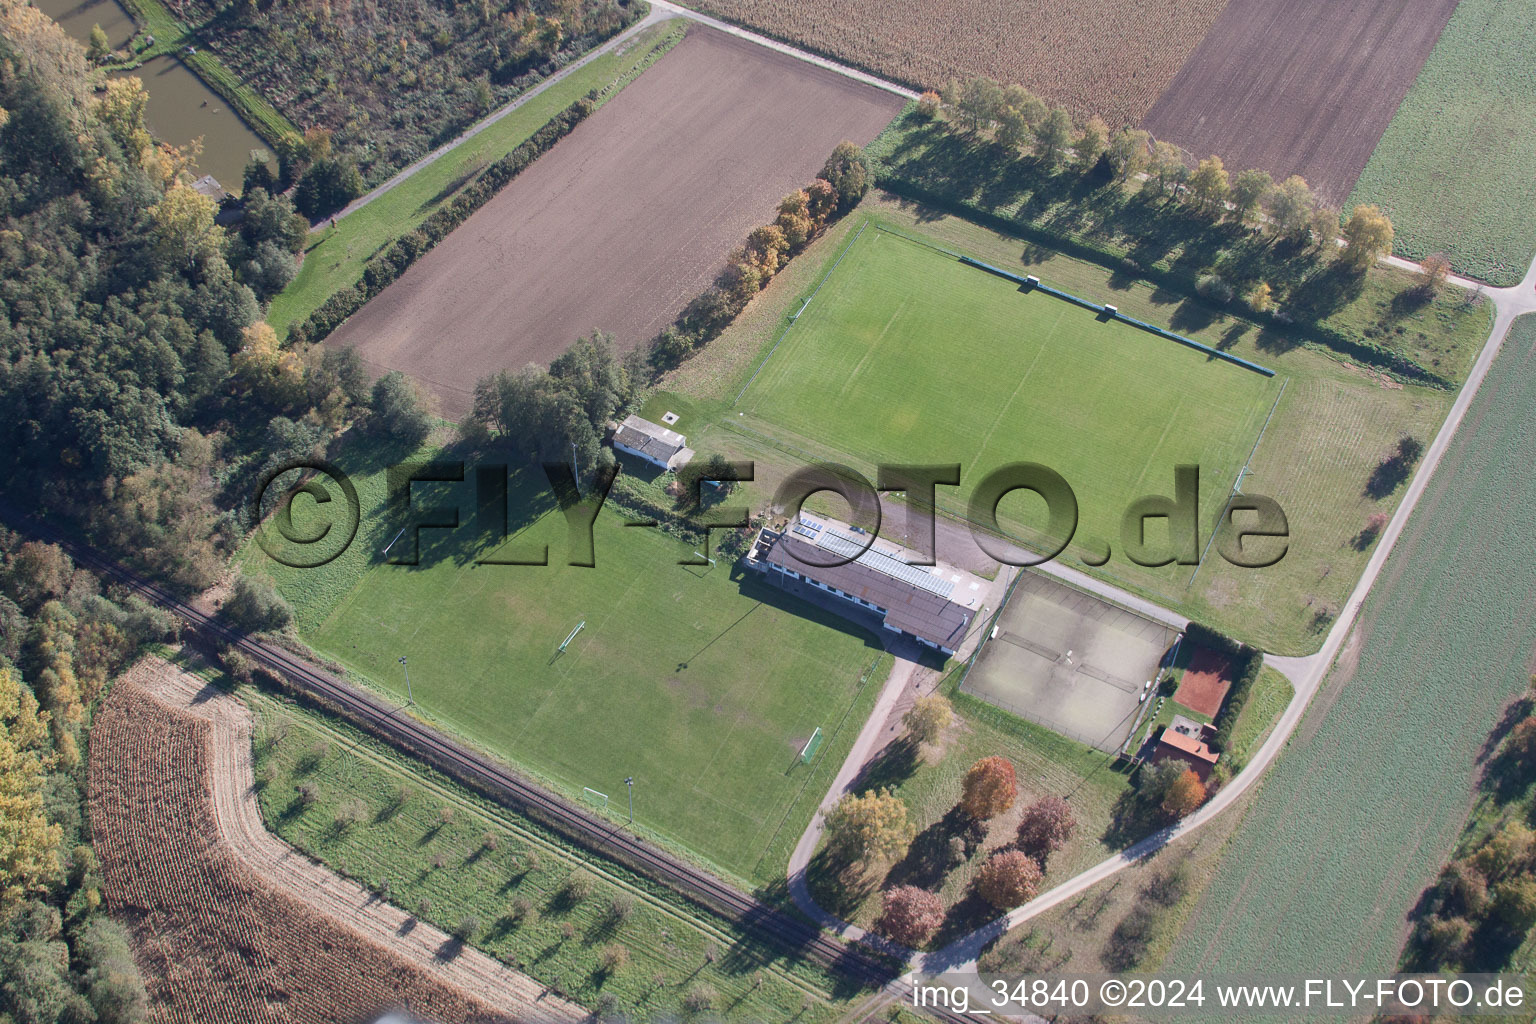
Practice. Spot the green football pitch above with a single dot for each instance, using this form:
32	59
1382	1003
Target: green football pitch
701	683
906	355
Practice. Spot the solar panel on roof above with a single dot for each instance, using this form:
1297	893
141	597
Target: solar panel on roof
917	576
805	531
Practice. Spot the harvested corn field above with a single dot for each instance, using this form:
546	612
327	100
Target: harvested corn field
1100	57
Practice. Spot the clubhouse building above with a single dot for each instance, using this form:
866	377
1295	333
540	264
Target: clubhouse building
1184	739
662	448
910	599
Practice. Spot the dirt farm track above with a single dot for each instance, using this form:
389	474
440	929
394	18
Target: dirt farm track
623	222
1299	86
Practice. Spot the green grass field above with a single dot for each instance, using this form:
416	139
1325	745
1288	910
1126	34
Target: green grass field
701	684
336	256
1334	422
1457	166
907	355
1375	787
446	871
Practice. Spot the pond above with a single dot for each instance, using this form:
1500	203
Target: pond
181	108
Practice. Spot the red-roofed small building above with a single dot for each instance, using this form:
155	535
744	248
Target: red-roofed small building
1186	740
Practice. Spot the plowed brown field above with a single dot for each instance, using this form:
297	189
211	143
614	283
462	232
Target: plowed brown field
1299	86
216	939
624	221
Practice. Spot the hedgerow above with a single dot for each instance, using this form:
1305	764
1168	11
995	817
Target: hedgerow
387	266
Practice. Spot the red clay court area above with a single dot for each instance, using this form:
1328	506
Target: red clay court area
1205	682
621	223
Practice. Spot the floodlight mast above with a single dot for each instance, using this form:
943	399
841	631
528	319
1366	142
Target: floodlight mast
629	780
409	697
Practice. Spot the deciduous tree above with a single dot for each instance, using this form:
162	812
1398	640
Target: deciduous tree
1209	185
1092	143
1514	903
1291	206
795	219
1053	136
255	605
868	827
1008	879
1046	826
911	915
1012	130
99	45
1433	272
185	234
1186	794
928	717
1368	234
1128	152
1248	190
767	247
847	171
1260	298
1506	852
1030	108
978	103
1167	168
822	200
1324	228
989	788
29	843
274	373
399	410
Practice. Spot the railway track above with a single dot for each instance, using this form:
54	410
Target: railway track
493	780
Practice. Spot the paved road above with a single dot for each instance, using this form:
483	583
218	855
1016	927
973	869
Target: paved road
869	742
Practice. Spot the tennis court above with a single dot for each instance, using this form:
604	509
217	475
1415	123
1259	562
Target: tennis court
1069	661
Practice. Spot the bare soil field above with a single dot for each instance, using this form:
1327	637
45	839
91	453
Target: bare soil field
1298	86
230	923
623	222
1106	57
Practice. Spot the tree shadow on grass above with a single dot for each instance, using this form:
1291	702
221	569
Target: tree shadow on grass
1233	334
1326	291
930	858
1193	316
894	766
835	886
964	916
1131	819
1276	342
